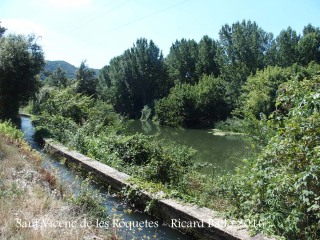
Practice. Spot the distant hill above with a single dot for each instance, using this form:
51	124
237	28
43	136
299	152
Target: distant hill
67	67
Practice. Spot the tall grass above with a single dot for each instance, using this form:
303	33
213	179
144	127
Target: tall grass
29	197
7	129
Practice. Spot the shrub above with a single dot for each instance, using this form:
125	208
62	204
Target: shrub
146	113
280	188
8	129
90	201
192	105
143	156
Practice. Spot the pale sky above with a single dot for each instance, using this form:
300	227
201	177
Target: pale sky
98	30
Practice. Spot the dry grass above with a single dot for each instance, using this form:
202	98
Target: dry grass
30	207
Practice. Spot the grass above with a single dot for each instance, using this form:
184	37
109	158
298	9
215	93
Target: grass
32	203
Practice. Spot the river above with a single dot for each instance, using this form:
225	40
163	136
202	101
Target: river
224	153
114	205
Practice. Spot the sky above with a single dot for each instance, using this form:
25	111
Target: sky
98	30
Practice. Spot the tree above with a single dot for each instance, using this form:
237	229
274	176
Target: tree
181	62
87	81
194	105
178	107
245	43
259	92
104	84
210	98
21	59
136	78
2	30
207	62
287	47
309	45
58	78
243	49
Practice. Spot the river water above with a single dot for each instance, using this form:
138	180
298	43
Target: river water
224	153
115	206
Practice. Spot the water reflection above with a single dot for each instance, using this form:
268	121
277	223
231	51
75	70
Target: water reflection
223	152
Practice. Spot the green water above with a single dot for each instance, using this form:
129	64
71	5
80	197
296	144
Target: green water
223	152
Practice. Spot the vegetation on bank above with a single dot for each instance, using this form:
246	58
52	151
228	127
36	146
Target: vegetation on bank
34	205
280	186
94	129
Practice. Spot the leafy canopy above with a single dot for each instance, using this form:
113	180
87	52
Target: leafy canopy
21	59
136	78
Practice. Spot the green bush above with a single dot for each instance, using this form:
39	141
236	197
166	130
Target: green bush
259	93
194	105
8	129
143	156
58	127
176	107
280	188
133	149
169	163
67	104
230	124
146	113
90	201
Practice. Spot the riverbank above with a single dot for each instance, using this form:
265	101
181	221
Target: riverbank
33	204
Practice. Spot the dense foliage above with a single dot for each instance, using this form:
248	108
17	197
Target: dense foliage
135	79
181	61
260	90
21	59
58	78
280	187
141	79
192	105
2	30
86	80
243	48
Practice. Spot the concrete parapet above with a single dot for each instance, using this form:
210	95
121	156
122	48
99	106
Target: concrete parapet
200	222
